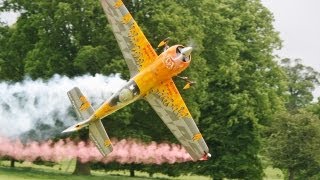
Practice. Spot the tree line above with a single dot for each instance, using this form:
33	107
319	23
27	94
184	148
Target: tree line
246	104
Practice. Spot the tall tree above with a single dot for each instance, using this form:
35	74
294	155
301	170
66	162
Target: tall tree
16	41
50	35
245	85
301	82
292	140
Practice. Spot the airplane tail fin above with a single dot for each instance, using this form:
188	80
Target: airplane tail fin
84	111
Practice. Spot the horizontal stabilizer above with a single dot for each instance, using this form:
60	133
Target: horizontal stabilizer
84	111
80	104
99	136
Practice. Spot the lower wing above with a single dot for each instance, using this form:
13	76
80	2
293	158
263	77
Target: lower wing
169	105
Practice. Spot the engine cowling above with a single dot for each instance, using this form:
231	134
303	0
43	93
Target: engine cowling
184	53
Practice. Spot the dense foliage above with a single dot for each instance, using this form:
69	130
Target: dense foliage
301	81
294	144
239	85
292	141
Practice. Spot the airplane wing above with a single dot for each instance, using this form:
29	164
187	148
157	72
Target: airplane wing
135	47
169	105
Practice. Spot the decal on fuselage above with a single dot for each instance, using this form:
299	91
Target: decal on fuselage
168	61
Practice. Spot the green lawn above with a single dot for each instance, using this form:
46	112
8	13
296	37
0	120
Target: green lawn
29	171
24	173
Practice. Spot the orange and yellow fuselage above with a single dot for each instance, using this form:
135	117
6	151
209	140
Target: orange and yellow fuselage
163	68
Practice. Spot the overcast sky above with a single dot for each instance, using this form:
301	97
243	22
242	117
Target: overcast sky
299	26
298	22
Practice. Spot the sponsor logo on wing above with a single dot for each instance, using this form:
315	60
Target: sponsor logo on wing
196	137
85	103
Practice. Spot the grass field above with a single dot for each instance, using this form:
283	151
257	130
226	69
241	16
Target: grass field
29	171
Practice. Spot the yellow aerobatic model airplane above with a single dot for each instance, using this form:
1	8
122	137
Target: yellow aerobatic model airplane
151	79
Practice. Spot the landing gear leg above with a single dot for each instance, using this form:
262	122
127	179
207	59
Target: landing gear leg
164	43
189	82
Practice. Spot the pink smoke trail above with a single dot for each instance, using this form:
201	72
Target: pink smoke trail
125	151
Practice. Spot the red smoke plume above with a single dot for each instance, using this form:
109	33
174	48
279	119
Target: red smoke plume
124	151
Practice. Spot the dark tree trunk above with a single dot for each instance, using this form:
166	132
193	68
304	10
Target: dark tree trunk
291	174
12	161
82	168
131	170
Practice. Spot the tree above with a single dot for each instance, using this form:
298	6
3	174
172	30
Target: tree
15	43
49	35
82	168
245	85
291	140
301	82
314	108
294	144
90	59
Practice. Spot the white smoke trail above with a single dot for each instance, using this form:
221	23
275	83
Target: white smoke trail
26	103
